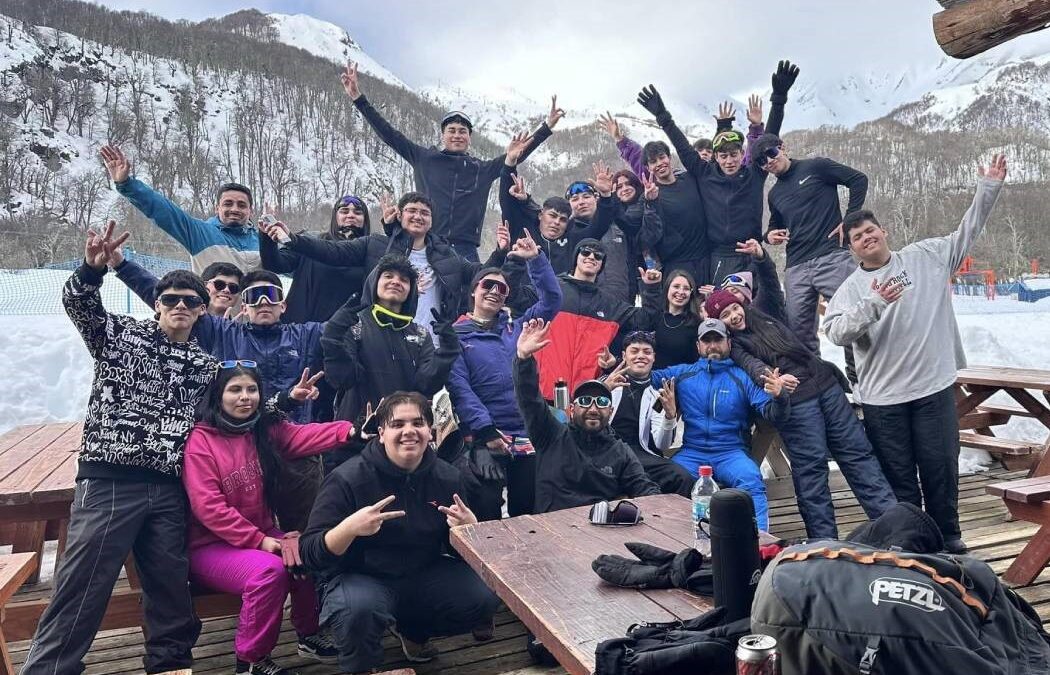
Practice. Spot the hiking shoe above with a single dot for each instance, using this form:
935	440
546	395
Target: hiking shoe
485	631
416	652
956	546
319	648
264	666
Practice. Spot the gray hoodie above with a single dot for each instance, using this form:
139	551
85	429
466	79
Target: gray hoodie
911	348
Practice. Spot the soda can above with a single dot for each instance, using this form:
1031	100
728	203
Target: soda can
757	655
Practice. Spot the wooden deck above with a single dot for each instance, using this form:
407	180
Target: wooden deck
985	529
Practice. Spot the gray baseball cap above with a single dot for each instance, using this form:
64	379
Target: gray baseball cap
712	326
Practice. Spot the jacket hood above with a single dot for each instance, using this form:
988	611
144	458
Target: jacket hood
364	230
368	293
375	454
904	526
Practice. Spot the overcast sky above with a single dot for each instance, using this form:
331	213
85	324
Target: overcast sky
601	52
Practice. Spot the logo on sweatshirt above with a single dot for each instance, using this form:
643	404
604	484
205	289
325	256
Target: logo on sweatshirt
903	592
803	181
902	278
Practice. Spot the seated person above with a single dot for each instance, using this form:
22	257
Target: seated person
716	396
644	417
233	464
581	462
386	568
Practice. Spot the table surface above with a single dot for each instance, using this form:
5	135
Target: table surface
38	463
998	376
540	566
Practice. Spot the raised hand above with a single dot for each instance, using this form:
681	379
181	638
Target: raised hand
277	230
350	83
518	143
996	170
518	190
726	111
306	388
891	293
525	248
503	236
236	312
606	359
754	109
651	189
117	164
783	79
603	179
650	277
772	382
367	520
652	101
778	237
99	246
533	337
458	514
617	378
555	114
752	248
611	126
388	207
668	398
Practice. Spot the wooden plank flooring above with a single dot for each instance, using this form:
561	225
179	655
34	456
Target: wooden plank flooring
985	528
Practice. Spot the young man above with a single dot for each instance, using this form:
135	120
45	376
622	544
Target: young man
457	181
378	536
482	388
228	236
896	312
804	212
716	396
581	462
644	417
149	377
684	245
223	280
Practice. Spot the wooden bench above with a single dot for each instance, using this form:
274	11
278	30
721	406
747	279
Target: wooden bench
14	570
1013	454
1028	499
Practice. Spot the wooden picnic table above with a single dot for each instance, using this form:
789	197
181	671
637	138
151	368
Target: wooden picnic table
977	384
540	566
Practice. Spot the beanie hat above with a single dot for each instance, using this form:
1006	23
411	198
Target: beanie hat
717	302
742	281
591	244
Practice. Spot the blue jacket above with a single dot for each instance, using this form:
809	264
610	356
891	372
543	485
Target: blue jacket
282	351
207	241
715	399
481	382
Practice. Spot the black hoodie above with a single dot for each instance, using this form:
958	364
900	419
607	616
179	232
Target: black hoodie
403	546
364	361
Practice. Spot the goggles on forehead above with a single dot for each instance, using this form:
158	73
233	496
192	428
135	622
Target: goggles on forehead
727	137
735	280
254	296
173	300
247	363
351	200
579	188
494	286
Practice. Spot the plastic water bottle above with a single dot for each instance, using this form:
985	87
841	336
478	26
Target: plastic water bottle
703	490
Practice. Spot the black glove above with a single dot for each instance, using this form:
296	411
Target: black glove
441	325
657	568
782	81
485	466
652	101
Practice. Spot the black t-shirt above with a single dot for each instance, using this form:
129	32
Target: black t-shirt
685	225
675	340
625	424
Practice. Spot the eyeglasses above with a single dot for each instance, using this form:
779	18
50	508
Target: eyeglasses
494	286
768	156
586	401
254	296
727	137
226	365
591	253
351	200
579	188
734	280
188	301
219	285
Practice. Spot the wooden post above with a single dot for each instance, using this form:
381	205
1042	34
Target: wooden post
968	27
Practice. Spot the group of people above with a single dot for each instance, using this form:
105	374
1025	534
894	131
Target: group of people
279	443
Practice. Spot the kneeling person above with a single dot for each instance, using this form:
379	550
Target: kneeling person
386	569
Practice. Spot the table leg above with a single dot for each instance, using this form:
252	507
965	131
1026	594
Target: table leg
1030	561
29	538
1031	404
6	668
976	396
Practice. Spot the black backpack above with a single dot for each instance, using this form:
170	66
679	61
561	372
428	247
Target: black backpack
840	607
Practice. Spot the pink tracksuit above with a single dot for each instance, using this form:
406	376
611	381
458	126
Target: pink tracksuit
229	519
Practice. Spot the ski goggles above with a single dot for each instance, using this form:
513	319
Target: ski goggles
735	280
494	286
625	512
219	285
578	188
587	401
592	253
351	200
245	363
173	300
768	156
727	137
388	319
254	296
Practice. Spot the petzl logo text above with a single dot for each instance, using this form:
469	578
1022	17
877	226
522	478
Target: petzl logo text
904	592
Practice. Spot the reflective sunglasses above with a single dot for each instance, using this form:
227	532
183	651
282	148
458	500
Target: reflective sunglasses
601	401
735	280
173	300
625	512
254	296
494	286
727	137
219	285
579	188
351	200
768	156
247	363
590	252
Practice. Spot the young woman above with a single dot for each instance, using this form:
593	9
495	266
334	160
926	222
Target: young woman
822	422
676	328
233	463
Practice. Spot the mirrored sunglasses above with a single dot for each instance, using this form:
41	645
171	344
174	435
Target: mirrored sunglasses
246	363
254	296
352	200
188	301
494	286
586	401
579	188
734	280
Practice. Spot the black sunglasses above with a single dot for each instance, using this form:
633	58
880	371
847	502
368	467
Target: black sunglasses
768	156
625	512
590	252
219	285
494	285
173	300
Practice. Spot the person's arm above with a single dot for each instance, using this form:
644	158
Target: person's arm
754	367
277	259
520	215
342	368
850	314
658	376
335	253
599	225
83	304
334	502
775	409
435	364
662	429
770	299
397	141
782	80
139	279
840	174
540	422
776	222
689	157
973	221
468	406
294	441
634	482
203	483
542	134
631	153
643	318
165	214
547	287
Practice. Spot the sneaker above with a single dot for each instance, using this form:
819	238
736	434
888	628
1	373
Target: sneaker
318	647
485	631
264	666
416	652
956	546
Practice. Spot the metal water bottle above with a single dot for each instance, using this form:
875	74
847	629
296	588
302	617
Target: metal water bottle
561	395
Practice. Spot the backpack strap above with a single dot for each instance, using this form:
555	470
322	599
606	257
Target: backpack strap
891	558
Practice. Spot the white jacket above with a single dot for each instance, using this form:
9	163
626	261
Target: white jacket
662	429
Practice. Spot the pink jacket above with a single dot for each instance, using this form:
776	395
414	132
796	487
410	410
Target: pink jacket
223	478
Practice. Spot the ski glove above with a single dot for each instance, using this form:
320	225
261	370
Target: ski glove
782	81
485	466
652	101
442	325
655	567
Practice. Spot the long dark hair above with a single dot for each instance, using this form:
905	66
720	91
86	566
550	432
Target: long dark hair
210	412
769	339
692	309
